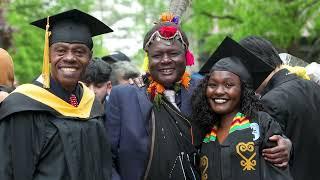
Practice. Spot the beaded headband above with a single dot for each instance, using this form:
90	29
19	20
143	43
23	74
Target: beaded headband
168	34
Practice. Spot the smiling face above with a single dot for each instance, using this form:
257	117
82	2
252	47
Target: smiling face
167	63
68	62
223	92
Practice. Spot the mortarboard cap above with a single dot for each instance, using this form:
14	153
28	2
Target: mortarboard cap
231	56
73	26
115	57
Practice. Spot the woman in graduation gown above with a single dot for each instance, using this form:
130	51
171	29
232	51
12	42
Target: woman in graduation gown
229	114
53	128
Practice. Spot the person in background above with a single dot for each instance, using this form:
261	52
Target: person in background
226	109
97	78
6	74
294	103
122	71
53	128
116	56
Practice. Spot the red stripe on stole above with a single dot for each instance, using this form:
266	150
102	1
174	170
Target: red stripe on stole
239	120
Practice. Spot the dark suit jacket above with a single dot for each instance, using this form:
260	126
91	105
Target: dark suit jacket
295	104
127	121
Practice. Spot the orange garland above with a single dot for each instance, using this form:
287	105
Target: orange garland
154	85
156	90
185	80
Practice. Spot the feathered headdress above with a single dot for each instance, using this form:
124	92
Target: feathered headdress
170	33
179	7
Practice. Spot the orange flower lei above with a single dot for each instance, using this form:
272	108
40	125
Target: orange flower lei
156	90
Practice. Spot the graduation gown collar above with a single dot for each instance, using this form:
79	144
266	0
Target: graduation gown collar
278	78
58	90
30	97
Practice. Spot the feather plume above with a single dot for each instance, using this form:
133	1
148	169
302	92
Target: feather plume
179	7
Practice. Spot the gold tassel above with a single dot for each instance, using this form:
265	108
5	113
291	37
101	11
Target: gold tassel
46	64
145	65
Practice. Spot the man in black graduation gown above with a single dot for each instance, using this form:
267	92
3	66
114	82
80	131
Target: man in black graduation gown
55	130
295	104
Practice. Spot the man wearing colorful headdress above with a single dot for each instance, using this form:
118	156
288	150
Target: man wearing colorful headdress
53	128
150	133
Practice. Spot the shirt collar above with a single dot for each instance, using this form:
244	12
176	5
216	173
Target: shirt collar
58	90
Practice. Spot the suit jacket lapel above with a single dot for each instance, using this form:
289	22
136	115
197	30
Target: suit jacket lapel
145	107
186	94
186	101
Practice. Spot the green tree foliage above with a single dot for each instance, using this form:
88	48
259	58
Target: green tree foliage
139	14
151	12
206	23
27	49
281	21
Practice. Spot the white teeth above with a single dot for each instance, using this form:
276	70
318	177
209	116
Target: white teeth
68	69
220	101
166	70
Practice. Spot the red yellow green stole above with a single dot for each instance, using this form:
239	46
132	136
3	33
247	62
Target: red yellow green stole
239	122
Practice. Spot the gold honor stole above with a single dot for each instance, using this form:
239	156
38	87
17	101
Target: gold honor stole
45	97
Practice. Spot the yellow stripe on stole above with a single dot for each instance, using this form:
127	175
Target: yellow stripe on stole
45	97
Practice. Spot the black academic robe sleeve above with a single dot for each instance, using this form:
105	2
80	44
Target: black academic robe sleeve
276	109
270	127
30	148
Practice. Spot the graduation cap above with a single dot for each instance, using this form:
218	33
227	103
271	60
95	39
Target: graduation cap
72	26
231	56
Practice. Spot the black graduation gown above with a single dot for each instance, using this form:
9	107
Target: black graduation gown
173	154
42	137
295	104
239	156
